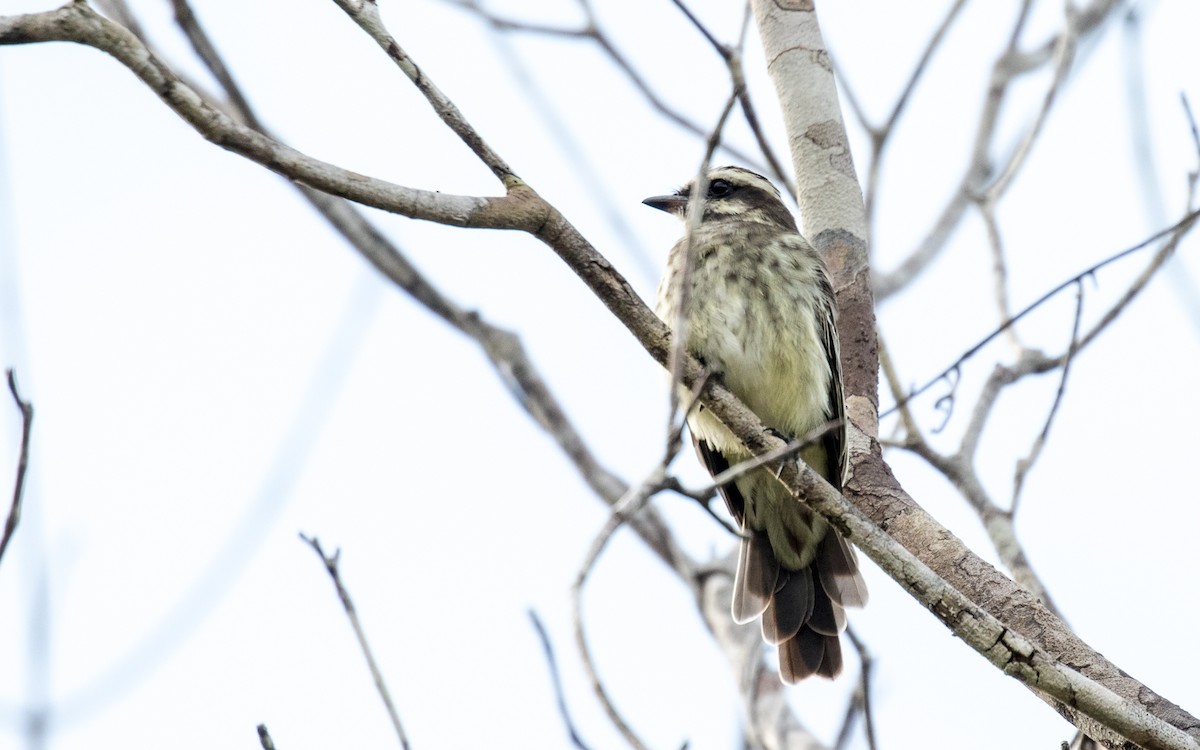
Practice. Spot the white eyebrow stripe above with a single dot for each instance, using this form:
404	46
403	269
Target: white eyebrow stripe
740	176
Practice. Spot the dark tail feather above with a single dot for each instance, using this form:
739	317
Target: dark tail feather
791	606
756	578
833	583
807	654
828	617
837	567
802	611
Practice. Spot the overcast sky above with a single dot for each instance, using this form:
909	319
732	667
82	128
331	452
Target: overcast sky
215	371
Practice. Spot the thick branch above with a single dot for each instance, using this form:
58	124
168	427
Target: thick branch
835	220
831	202
78	23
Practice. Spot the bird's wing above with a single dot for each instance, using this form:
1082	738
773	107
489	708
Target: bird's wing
758	575
836	445
716	463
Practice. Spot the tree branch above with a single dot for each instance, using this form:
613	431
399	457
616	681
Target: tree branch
76	22
14	510
592	31
365	13
331	567
833	212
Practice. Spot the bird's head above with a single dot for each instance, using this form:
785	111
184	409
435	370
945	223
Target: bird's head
732	193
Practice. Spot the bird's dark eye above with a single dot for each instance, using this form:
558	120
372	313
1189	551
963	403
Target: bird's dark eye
719	189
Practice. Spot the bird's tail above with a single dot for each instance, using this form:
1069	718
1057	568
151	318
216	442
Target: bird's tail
803	611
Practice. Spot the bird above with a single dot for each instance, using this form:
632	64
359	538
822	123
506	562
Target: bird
762	318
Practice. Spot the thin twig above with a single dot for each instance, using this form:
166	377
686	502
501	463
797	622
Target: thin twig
1176	229
1035	451
922	65
630	505
1010	65
186	20
675	433
1064	55
791	448
581	157
556	680
708	35
365	13
881	135
331	567
860	702
999	268
733	61
1195	132
264	738
1139	284
892	375
673	484
682	291
683	282
868	666
14	510
502	23
592	31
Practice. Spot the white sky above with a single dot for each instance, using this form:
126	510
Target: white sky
214	371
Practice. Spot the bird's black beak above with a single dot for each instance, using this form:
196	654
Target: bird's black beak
672	204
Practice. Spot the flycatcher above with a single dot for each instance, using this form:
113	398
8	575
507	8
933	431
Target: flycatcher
761	316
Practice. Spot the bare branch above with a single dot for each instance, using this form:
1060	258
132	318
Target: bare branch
1173	232
789	449
931	247
264	738
959	468
733	61
77	22
584	170
331	566
683	281
1086	20
592	31
186	19
1176	233
365	13
999	268
1035	451
793	46
1064	54
559	697
860	702
1010	651
14	510
627	508
881	135
1010	65
696	24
